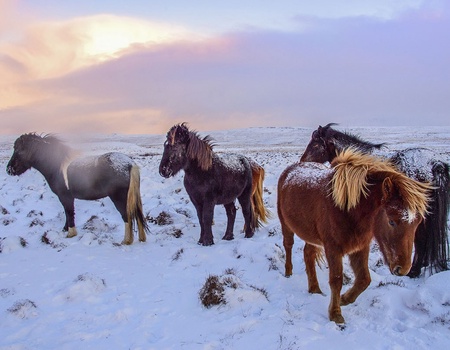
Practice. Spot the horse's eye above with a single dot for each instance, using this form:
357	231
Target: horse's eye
391	222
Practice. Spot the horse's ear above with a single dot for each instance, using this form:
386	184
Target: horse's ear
331	147
387	188
320	131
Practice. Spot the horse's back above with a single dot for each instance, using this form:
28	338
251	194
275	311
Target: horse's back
302	198
419	163
96	177
229	177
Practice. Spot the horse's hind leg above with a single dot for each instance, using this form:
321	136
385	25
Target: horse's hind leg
288	242
246	205
359	262
231	216
335	278
120	202
310	255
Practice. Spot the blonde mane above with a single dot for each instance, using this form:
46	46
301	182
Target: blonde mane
200	150
349	182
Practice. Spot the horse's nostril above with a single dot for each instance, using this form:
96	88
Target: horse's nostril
396	270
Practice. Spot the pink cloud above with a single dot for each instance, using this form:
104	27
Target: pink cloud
355	71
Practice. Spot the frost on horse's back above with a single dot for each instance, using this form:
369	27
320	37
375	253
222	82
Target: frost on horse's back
310	173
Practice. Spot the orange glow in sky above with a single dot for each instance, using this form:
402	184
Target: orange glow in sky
142	67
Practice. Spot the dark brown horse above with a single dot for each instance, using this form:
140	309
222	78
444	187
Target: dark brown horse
341	209
211	179
112	175
431	242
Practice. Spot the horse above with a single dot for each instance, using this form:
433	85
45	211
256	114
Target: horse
214	179
340	209
113	175
431	244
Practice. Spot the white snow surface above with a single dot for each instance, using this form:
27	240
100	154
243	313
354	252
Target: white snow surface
90	292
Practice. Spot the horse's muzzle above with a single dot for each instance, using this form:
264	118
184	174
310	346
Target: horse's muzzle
399	271
165	172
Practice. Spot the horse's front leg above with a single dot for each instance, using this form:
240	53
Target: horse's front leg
199	208
69	209
335	280
206	221
230	208
359	262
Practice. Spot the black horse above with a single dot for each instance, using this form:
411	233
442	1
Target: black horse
211	179
112	175
431	241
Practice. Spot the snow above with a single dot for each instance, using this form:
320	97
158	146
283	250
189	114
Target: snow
91	292
311	174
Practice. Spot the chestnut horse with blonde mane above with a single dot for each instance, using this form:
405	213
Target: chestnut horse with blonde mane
211	179
340	209
431	244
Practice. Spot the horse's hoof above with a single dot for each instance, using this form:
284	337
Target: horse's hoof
206	243
72	232
126	242
338	319
413	273
315	291
249	235
228	237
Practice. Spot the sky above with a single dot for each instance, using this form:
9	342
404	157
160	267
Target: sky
138	67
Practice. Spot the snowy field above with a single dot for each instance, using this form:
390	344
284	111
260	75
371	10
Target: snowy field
90	292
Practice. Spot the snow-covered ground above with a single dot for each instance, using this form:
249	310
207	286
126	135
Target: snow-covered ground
90	292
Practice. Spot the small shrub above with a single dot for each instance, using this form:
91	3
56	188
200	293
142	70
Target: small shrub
177	255
398	283
3	210
263	291
5	292
34	213
162	219
36	222
212	292
23	308
177	233
45	239
272	264
23	242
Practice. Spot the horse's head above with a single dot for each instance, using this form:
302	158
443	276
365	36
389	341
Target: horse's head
175	150
396	224
369	184
321	147
23	156
183	145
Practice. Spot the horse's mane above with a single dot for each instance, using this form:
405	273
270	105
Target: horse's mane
199	149
43	138
349	182
344	139
45	145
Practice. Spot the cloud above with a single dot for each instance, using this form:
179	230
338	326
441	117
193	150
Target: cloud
356	71
53	49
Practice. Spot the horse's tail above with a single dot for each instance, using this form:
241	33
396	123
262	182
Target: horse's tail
260	213
436	222
135	211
